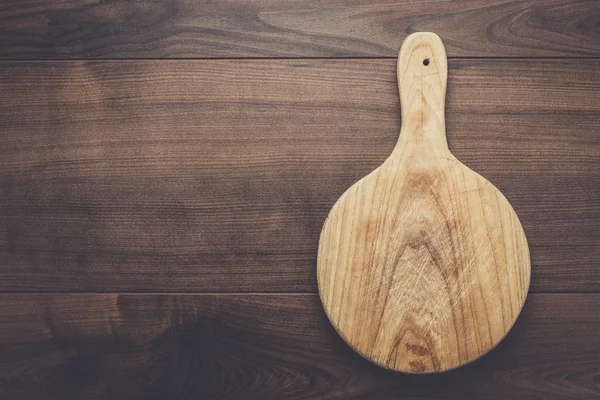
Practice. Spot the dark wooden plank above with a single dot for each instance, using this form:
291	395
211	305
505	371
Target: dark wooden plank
101	346
218	175
44	29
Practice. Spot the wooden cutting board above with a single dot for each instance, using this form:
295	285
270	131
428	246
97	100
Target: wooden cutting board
423	265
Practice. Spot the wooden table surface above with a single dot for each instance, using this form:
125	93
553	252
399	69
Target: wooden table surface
166	168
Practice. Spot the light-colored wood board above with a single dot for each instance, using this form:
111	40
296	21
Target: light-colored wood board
423	264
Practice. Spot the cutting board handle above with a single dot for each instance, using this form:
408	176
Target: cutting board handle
422	75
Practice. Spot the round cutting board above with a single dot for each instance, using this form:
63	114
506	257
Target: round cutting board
423	265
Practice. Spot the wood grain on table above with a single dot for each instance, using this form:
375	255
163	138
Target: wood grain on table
160	209
307	28
269	347
157	176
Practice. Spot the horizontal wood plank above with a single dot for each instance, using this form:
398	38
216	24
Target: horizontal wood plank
217	175
101	346
46	29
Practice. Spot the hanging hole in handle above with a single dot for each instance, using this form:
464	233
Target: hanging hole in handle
426	62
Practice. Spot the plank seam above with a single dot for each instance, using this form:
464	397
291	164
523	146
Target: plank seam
219	293
488	58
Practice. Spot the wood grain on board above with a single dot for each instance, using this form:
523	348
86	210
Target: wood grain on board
46	29
279	347
218	175
423	265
